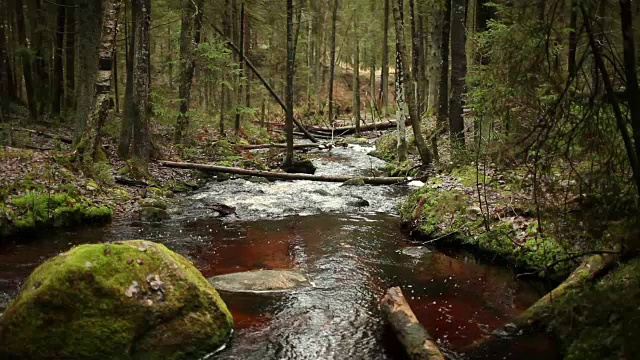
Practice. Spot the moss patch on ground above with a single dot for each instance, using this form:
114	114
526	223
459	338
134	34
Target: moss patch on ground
447	210
601	321
133	299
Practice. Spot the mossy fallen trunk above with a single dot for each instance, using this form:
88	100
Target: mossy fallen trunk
416	340
132	299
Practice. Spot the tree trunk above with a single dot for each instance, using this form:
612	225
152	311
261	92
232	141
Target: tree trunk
356	73
415	55
435	61
443	81
90	143
126	126
26	61
282	175
141	143
573	38
332	66
240	87
416	341
89	24
58	65
633	92
458	72
384	81
409	91
291	60
70	59
6	83
190	34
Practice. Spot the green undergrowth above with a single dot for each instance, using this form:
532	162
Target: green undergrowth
601	320
37	210
449	216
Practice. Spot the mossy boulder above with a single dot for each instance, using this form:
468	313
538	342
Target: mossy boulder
126	300
152	214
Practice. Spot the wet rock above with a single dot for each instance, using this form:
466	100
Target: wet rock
473	212
359	202
354	182
415	251
156	203
322	192
301	167
152	214
260	280
164	309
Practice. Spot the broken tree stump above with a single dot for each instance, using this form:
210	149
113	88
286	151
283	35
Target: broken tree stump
412	335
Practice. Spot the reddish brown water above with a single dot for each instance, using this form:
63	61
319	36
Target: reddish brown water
351	260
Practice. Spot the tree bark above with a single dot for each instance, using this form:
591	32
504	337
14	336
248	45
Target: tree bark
70	59
190	34
241	56
141	143
89	23
291	60
573	38
58	65
332	65
126	125
415	55
458	72
282	176
90	143
27	71
443	81
356	73
409	91
384	81
435	61
6	83
415	339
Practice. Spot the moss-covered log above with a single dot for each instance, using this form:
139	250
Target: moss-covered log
416	340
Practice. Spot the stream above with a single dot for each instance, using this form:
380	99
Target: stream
348	240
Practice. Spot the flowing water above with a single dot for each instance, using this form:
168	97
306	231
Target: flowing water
351	253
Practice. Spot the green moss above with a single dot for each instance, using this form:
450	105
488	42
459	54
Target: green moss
434	213
38	210
601	321
469	176
406	168
80	298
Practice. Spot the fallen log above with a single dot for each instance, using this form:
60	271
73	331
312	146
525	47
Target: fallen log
412	335
281	176
352	129
538	314
60	138
284	146
264	82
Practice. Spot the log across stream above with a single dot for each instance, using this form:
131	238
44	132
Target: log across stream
351	253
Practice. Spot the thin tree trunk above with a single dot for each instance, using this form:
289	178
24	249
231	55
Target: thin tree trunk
90	143
435	61
415	55
443	81
633	91
6	84
384	81
425	155
26	61
58	65
458	71
573	38
332	70
126	126
356	74
70	59
291	59
141	143
190	35
241	56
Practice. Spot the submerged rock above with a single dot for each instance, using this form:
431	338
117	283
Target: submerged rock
137	300
415	251
152	214
354	182
260	280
